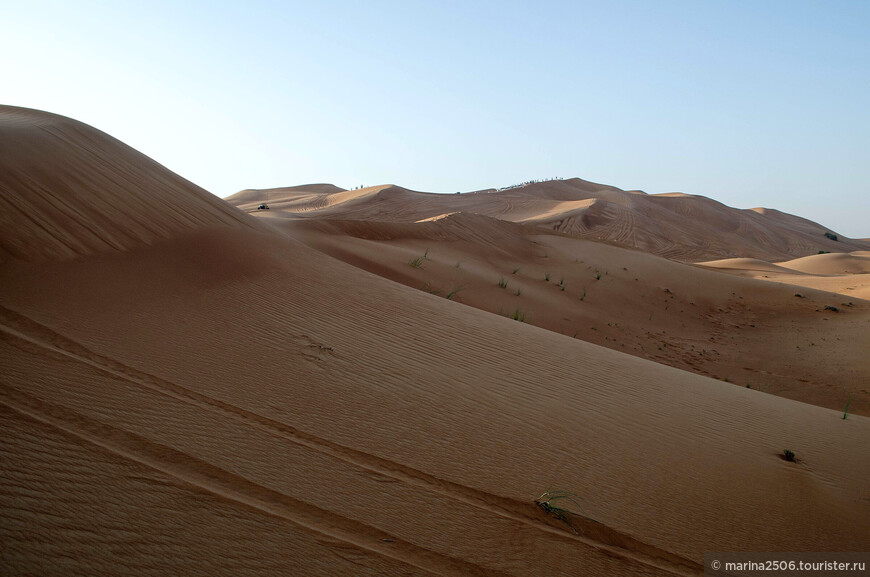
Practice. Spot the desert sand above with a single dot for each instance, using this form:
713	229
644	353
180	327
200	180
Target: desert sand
845	273
487	250
677	226
190	389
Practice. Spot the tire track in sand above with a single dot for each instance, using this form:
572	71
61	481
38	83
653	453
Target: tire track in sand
236	488
593	534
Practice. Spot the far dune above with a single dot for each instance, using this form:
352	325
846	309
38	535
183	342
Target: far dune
847	274
831	264
752	267
681	227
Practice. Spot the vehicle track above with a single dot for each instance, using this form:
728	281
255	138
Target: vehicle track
236	488
592	534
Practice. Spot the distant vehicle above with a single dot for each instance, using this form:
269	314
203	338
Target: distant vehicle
263	206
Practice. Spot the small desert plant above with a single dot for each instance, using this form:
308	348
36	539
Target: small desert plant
519	292
517	315
458	264
551	502
516	270
452	293
788	455
426	254
547	277
417	262
846	411
598	276
428	288
583	298
502	283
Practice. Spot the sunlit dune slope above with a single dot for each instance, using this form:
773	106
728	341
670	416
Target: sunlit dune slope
831	264
67	190
225	400
749	265
290	198
677	226
845	273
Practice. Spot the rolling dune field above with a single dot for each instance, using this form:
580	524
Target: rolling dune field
190	389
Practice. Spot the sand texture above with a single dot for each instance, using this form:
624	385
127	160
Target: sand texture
782	338
188	389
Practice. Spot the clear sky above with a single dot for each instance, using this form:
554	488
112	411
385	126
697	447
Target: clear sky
752	103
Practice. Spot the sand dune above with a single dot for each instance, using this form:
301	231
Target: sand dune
747	266
750	332
842	273
831	264
223	399
81	204
676	226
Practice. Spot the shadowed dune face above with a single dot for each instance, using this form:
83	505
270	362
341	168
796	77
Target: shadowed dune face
223	399
676	226
68	190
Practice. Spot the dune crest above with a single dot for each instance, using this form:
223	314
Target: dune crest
69	190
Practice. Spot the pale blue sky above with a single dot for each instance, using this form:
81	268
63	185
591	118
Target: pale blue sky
756	103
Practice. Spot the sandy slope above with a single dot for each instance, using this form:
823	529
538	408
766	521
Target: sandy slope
751	267
845	273
229	401
832	264
746	331
76	202
677	226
